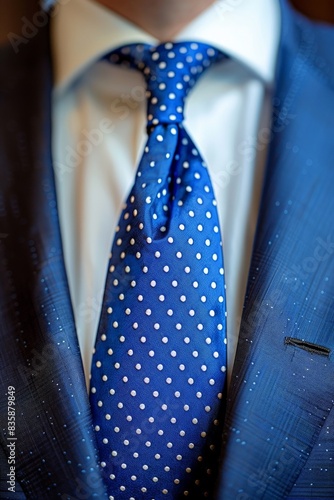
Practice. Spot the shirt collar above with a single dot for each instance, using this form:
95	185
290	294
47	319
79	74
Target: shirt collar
248	30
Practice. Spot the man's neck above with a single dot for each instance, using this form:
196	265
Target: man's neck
161	18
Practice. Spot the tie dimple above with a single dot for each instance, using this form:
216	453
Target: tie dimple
159	366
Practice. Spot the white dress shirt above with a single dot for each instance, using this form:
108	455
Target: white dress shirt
99	117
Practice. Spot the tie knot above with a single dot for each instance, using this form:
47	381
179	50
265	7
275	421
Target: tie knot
170	71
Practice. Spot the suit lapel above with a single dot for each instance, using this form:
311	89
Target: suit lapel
281	394
56	453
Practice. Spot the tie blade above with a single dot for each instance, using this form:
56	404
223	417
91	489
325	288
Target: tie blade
158	374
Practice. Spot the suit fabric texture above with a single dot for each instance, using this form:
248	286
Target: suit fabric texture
279	439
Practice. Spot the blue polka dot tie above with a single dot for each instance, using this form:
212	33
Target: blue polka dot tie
159	364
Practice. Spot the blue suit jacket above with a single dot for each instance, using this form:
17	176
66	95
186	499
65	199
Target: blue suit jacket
279	438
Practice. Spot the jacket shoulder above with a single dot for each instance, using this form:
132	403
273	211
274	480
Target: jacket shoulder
313	42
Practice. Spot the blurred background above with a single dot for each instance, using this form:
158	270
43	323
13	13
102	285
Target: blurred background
12	11
322	10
